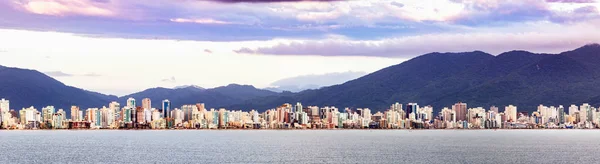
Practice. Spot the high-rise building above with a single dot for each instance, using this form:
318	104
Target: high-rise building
148	115
114	106
494	109
561	114
146	103
48	114
397	107
460	109
411	108
511	113
187	111
140	115
4	107
75	113
589	113
166	108
298	107
131	102
126	115
573	109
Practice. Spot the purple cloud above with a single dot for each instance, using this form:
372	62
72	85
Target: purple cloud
408	47
269	1
571	1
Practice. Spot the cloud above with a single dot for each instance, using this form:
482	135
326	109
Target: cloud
234	21
270	1
577	15
571	1
201	21
397	4
67	7
557	39
58	74
299	83
92	75
169	80
63	74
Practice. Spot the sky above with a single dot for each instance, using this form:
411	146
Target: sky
120	47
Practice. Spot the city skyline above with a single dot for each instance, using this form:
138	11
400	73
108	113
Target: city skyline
109	38
288	116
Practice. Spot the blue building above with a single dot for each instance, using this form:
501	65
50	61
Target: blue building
166	108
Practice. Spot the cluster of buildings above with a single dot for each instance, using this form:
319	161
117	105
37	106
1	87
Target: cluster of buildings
288	116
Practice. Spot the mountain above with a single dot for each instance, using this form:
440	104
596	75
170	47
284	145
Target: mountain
304	82
187	86
25	88
520	78
213	97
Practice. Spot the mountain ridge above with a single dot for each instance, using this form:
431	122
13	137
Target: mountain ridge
516	77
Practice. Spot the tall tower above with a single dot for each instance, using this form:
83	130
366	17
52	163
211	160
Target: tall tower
75	113
561	114
146	103
411	108
460	109
166	107
4	107
131	102
298	107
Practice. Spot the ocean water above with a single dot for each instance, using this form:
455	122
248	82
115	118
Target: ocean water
303	146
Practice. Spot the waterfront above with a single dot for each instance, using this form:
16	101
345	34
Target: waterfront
307	146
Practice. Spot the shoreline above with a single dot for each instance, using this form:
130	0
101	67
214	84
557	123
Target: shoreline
284	129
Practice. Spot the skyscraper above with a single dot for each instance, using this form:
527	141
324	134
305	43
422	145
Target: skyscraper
131	102
561	114
494	109
511	113
411	108
47	114
588	111
460	109
298	107
146	103
4	107
166	108
75	113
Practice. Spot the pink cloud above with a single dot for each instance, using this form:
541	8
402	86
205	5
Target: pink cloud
67	7
557	39
571	1
201	21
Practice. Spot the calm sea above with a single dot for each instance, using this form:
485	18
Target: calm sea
308	146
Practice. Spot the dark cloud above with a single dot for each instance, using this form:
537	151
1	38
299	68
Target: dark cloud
58	74
571	1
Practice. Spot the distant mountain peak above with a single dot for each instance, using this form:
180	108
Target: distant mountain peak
239	85
188	86
591	46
